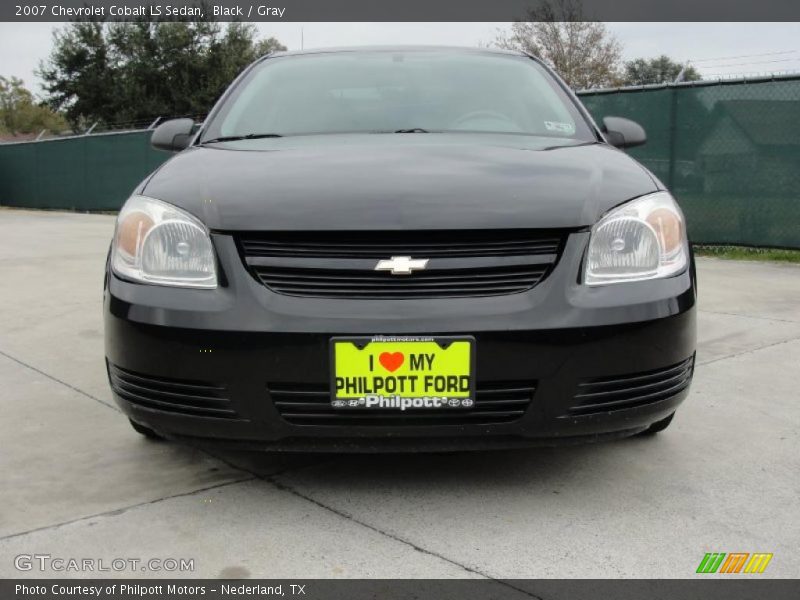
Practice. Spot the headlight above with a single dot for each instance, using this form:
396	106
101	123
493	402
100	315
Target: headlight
156	242
643	239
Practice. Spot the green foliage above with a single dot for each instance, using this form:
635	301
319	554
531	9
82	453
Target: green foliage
19	112
123	72
748	253
644	71
583	52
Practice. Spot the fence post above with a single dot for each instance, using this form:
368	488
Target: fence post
673	134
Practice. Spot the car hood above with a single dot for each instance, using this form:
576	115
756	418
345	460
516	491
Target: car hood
402	181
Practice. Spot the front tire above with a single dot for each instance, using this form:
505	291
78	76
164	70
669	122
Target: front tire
145	431
658	426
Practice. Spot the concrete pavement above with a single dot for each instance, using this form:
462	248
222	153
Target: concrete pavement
79	483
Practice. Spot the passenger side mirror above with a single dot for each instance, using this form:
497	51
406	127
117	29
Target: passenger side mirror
173	135
623	133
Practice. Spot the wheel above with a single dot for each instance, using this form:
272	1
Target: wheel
145	431
658	426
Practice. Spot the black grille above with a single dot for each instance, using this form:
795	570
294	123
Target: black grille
329	283
342	265
630	391
428	244
171	395
495	402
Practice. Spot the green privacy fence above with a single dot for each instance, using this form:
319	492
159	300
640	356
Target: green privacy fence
89	172
730	151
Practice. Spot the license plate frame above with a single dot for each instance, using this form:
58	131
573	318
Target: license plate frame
407	399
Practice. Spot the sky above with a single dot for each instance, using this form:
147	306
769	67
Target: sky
715	49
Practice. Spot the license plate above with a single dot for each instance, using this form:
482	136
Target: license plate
403	373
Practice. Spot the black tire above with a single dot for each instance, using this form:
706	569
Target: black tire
658	426
145	431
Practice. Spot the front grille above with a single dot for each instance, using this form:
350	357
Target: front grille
428	244
329	283
171	395
342	264
495	402
631	391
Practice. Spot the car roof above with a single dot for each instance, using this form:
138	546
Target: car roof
401	48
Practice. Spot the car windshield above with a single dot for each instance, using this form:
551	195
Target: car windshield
398	92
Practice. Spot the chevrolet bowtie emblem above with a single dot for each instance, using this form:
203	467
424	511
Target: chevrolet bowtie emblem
401	265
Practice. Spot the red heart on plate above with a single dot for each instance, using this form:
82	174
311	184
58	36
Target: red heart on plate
391	361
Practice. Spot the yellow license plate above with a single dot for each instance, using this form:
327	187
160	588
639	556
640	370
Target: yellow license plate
403	372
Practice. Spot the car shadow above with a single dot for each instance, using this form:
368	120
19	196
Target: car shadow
543	466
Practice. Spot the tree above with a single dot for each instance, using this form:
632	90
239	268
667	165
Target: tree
136	71
583	52
78	77
19	112
643	71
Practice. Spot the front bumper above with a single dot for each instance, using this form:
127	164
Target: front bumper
561	335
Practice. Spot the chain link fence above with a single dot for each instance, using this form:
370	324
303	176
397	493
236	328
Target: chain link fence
88	172
728	150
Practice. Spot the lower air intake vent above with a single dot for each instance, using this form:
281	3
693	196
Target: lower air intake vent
496	402
631	391
170	395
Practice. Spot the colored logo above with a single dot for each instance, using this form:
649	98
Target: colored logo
734	562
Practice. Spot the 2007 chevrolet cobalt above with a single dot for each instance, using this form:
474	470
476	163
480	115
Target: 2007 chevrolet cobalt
399	249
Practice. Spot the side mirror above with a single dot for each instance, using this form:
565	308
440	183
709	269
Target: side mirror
173	135
623	133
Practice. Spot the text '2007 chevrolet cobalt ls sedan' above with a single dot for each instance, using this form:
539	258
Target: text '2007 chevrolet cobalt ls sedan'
399	249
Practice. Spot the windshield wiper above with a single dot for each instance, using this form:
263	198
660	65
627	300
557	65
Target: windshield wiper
234	138
412	130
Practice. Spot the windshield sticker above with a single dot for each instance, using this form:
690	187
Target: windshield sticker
568	128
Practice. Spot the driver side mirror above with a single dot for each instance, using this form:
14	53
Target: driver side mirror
623	133
173	135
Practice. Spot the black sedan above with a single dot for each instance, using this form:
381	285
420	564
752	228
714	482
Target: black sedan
399	249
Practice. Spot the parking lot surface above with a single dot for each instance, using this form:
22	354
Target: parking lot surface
79	483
